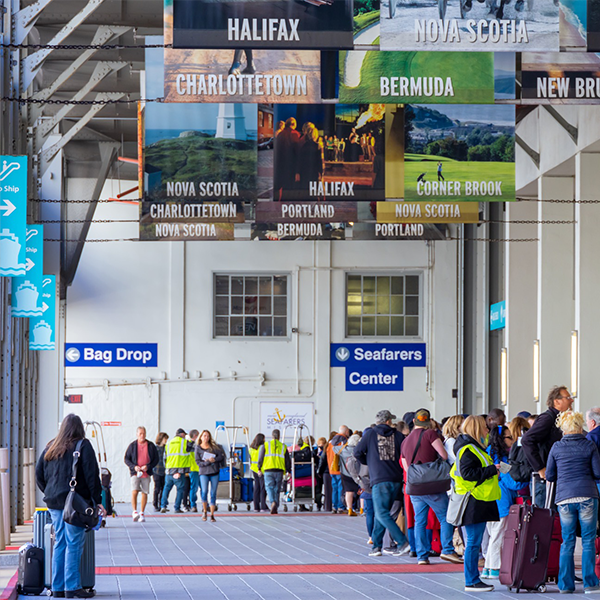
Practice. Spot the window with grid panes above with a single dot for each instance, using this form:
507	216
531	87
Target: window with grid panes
251	306
383	305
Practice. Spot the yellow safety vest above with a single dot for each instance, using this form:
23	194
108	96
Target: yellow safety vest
194	468
254	459
305	445
177	457
274	456
489	490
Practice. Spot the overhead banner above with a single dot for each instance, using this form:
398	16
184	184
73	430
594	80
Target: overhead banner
13	215
273	24
432	77
459	153
306	212
276	232
27	298
42	329
329	152
498	26
397	231
552	78
427	212
366	22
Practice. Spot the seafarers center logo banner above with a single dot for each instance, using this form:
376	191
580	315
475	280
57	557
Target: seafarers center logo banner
274	24
493	25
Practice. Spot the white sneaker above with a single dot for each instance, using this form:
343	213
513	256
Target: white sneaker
142	518
135	516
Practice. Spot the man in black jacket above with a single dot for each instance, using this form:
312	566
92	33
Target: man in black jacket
542	436
141	457
379	449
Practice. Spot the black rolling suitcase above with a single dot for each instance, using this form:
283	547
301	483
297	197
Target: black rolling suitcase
30	578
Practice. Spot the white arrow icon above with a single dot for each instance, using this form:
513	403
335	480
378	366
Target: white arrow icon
342	354
72	354
29	264
45	307
8	207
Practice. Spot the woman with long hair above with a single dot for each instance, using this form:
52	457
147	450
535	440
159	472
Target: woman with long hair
451	431
260	491
158	474
474	471
53	474
209	458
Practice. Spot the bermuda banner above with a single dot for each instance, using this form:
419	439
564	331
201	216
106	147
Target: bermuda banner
298	231
243	74
427	212
200	152
273	24
432	77
42	328
553	77
489	25
329	152
27	289
366	22
459	153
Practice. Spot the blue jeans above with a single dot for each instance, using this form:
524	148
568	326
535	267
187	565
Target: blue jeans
587	514
439	504
474	537
384	494
273	481
66	557
336	492
179	483
370	514
194	481
214	482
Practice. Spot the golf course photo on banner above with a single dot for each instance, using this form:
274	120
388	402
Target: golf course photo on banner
459	153
394	77
366	22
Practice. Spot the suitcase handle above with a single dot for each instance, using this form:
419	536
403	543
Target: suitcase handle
536	540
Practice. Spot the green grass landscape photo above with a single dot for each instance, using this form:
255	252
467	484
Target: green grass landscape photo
472	75
474	144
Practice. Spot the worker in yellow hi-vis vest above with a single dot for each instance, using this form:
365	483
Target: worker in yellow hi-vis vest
177	467
260	492
273	462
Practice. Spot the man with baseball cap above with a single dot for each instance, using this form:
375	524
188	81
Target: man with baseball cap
177	465
422	446
379	449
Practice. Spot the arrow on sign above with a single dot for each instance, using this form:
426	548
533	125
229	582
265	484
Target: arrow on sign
8	207
29	264
45	307
342	354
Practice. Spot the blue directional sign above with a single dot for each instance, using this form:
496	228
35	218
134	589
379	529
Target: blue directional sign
27	289
42	329
13	215
377	367
111	355
498	315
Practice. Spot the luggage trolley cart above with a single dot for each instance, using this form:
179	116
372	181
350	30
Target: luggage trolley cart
105	474
290	496
232	460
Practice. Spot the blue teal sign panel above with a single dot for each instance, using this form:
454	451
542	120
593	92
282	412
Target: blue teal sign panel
377	367
498	315
42	334
27	290
13	215
111	355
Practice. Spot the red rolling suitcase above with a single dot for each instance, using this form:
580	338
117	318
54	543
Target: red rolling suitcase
528	545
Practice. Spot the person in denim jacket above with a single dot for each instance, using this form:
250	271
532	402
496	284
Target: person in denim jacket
574	464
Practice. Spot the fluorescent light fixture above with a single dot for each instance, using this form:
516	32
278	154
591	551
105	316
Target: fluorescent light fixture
574	363
536	370
503	375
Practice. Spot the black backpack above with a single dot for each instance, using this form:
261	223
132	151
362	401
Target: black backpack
520	468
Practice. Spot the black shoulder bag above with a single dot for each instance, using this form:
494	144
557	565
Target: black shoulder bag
427	478
78	511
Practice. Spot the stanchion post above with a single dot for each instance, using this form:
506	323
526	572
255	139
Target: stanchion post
25	475
5	484
32	461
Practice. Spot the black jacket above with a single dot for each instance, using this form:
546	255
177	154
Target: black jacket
538	441
131	457
322	467
379	449
477	511
53	476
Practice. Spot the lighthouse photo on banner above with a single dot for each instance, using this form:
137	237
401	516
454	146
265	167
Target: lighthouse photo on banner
199	152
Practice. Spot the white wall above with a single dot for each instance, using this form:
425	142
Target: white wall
162	292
